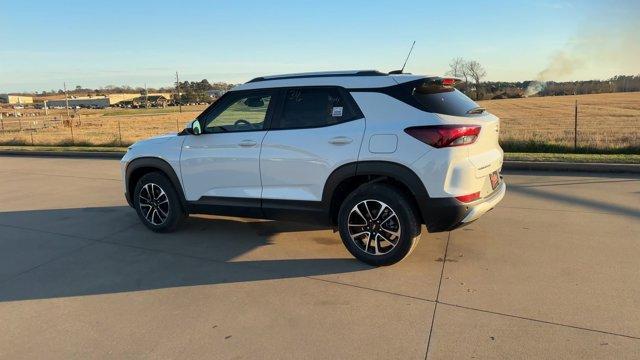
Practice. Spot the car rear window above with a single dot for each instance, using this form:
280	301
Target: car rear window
447	100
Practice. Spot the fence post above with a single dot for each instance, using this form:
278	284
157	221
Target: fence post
20	123
31	138
177	126
575	127
2	122
73	141
119	134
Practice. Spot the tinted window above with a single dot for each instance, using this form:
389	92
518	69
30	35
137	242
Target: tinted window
239	113
441	99
313	107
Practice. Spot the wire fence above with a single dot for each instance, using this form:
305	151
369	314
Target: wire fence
89	129
563	121
604	121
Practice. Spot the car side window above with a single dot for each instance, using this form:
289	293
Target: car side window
241	113
312	107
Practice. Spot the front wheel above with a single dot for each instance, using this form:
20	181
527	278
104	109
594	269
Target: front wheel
157	203
378	224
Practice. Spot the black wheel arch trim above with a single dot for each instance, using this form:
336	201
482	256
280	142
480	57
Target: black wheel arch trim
438	214
395	171
159	165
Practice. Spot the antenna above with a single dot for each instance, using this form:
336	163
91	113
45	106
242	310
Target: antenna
405	60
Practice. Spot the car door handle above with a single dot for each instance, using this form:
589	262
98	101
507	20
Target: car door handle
248	143
340	140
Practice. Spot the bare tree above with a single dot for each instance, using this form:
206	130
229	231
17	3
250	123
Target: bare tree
476	72
458	68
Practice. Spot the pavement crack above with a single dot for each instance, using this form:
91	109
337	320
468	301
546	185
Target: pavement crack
538	320
56	258
368	288
46	232
435	307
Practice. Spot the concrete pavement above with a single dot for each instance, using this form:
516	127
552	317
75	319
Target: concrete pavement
553	272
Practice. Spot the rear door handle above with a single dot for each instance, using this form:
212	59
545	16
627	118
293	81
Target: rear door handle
248	143
340	140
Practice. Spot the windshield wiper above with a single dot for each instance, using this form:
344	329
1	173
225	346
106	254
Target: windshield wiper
478	110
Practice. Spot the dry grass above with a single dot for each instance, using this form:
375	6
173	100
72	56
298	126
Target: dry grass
605	121
94	127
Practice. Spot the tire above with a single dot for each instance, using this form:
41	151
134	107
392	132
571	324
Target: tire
393	224
158	212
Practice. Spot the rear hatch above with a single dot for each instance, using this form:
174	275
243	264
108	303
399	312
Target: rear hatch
438	95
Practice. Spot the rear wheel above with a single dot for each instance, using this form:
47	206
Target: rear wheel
157	204
378	224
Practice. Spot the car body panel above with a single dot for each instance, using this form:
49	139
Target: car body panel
221	165
296	163
165	147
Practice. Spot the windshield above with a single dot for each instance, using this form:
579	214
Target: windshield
442	99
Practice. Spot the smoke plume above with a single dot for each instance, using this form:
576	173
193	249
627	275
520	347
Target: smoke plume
613	48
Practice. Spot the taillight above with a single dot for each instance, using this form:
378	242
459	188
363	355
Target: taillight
469	197
440	136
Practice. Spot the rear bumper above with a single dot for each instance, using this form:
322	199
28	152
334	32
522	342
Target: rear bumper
446	214
486	204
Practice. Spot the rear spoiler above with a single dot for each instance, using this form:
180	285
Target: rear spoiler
444	81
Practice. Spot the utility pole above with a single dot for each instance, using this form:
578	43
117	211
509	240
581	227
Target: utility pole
66	98
178	91
146	96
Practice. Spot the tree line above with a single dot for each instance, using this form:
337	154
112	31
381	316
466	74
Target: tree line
190	91
472	72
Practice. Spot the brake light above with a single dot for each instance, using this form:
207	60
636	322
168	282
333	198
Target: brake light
449	81
440	136
469	198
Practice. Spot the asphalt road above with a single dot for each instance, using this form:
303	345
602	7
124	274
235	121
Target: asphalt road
552	272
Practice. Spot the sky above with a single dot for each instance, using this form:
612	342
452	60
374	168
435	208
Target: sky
99	43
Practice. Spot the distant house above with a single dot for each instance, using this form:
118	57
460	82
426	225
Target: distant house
119	97
83	102
151	100
216	93
15	99
105	101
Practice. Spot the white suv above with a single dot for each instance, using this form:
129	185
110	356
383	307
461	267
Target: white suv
372	154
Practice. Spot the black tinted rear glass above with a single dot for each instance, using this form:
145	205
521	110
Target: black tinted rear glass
312	107
442	99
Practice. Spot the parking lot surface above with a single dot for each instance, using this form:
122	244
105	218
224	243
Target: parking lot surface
552	272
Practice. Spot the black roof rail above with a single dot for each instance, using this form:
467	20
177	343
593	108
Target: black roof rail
307	76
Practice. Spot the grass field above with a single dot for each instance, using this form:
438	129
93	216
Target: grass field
110	127
605	121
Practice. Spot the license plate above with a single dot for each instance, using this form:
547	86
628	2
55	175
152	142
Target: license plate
495	179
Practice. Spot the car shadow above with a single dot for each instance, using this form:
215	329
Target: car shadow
91	251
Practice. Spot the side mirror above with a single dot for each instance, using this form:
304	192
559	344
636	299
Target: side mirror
194	127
